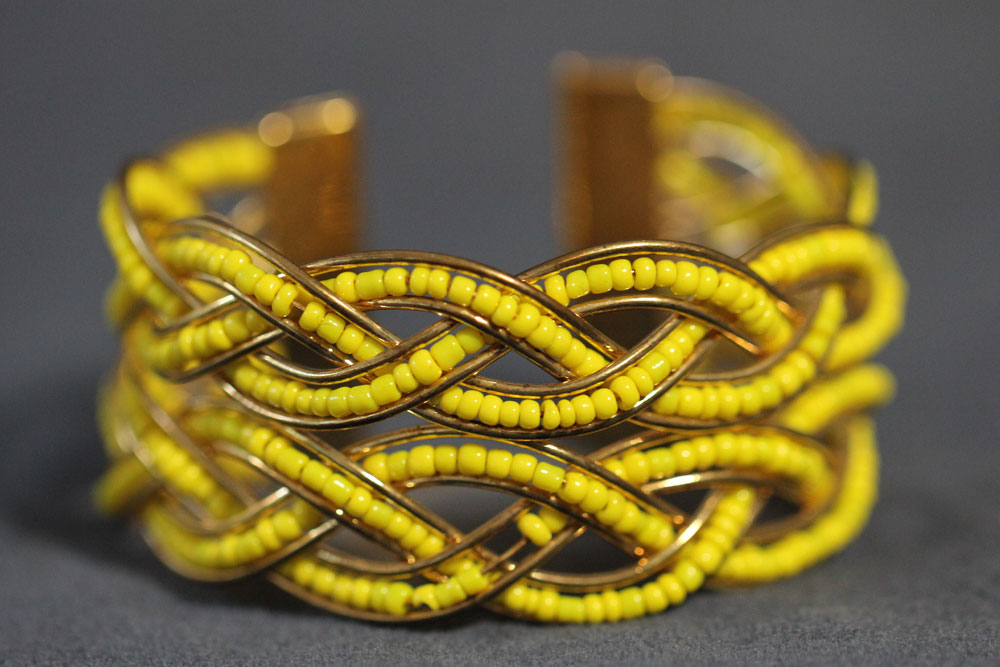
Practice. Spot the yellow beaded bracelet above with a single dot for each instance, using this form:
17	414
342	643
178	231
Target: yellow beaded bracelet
719	362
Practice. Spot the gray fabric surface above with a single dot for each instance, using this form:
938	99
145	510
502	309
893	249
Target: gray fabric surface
458	138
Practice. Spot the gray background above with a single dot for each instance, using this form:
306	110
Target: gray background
459	161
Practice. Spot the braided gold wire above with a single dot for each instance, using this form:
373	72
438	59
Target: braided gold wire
231	417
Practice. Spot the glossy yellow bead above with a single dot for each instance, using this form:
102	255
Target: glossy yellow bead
600	279
350	339
472	580
368	349
384	390
612	606
472	460
687	279
331	328
644	270
312	316
234	261
562	339
596	498
414	536
398	526
708	282
420	461
283	300
437	283
247	277
489	409
689	575
396	281
462	290
370	284
550	415
583	407
506	310
567	413
571	609
405	381
498	463
751	401
447	352
423	367
486	300
449	400
621	274
666	273
633	604
338	402
522	467
345	286
286	526
360	400
673	588
543	335
534	529
510	413
593	607
529	414
577	284
315	475
359	502
377	464
548	477
290	463
624	388
605	403
637	469
690	402
419	277
446	459
527	320
555	287
379	515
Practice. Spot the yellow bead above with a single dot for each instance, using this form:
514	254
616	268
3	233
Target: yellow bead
405	381
489	409
370	284
624	388
544	334
596	498
547	477
527	320
708	281
577	284
633	604
534	529
506	310
529	414
687	279
498	463
331	328
470	340
472	460
247	277
550	415
510	413
567	413
446	459
653	597
462	290
599	277
486	300
345	286
469	404
605	404
555	287
419	279
395	282
522	467
423	367
447	352
437	283
384	390
449	400
338	403
645	273
282	302
350	340
636	467
360	400
315	475
584	409
312	316
621	274
420	462
666	273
